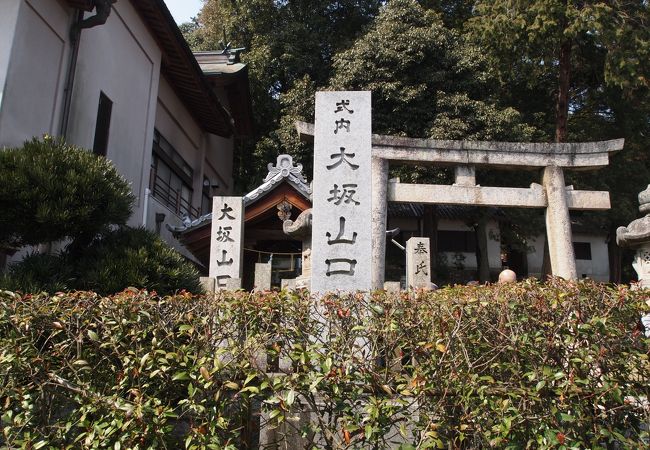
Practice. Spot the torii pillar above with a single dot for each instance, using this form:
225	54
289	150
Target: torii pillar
558	225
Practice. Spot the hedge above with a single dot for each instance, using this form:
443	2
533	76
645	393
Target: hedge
527	365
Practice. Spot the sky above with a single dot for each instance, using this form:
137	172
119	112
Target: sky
183	10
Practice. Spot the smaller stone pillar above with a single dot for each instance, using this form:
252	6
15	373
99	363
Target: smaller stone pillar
262	277
637	236
418	265
226	240
232	284
379	179
558	225
288	284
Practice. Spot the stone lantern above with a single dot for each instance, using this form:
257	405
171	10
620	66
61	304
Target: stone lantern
301	229
637	235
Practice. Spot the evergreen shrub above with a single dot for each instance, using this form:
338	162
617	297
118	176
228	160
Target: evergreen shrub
51	191
557	365
134	257
125	257
38	272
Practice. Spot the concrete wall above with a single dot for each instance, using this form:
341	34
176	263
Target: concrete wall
8	20
597	268
122	60
33	62
219	160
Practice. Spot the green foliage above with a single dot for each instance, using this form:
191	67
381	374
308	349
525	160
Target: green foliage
38	272
284	42
537	28
134	257
425	79
52	191
118	259
560	365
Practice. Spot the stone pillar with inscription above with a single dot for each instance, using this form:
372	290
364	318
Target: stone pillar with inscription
227	240
418	263
342	193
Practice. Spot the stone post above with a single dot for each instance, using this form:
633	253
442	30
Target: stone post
262	277
418	267
558	225
342	193
227	239
379	218
207	284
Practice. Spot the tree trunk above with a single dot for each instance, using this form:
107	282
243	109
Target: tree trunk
562	105
561	120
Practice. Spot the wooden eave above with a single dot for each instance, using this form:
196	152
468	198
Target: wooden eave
182	70
267	204
239	100
179	66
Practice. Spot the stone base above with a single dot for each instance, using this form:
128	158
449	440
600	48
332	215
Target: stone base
392	286
288	285
233	284
303	283
208	284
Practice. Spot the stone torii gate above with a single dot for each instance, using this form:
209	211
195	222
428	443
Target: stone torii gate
465	156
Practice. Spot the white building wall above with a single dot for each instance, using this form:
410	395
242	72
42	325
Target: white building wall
8	21
33	62
219	153
597	268
535	256
208	155
177	126
122	60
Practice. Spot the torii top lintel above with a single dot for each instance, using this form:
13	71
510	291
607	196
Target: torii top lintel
577	155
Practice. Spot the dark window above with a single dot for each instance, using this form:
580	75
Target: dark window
171	178
582	250
456	241
206	198
103	125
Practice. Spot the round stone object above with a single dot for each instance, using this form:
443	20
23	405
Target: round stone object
507	276
644	201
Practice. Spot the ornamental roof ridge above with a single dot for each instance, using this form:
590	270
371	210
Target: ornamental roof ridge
284	168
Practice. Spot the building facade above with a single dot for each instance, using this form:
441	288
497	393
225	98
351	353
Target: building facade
129	89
